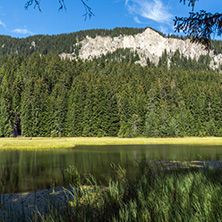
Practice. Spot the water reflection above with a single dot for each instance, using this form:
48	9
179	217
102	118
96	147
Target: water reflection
31	170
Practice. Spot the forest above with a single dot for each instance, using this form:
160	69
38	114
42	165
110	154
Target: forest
42	95
66	43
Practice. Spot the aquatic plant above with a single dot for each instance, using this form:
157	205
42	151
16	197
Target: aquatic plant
182	194
156	194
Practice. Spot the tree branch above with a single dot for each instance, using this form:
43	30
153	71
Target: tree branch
200	25
190	3
88	10
36	3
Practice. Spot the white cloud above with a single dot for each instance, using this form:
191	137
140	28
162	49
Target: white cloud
136	19
163	29
2	24
149	9
22	31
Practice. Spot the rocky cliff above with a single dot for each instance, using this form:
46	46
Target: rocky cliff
148	44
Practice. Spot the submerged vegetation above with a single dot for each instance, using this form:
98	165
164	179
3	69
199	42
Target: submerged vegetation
156	194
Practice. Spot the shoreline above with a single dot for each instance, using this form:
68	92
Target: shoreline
44	199
28	202
71	142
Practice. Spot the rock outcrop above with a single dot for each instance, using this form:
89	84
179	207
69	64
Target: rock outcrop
148	44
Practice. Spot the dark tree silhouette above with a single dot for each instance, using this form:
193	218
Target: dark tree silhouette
200	25
36	3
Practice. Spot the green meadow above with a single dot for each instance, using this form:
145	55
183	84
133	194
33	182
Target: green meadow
68	142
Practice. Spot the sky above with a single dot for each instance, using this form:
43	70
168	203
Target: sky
16	21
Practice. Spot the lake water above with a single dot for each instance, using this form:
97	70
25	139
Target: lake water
31	170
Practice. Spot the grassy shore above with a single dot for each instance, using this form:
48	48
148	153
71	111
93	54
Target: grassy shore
68	142
181	194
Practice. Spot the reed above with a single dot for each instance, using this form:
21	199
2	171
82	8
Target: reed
156	194
184	194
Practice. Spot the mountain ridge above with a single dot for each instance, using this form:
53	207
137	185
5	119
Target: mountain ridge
148	44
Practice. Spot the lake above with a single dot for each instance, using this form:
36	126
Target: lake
24	170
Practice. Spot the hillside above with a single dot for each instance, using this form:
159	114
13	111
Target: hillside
147	43
47	96
103	91
63	43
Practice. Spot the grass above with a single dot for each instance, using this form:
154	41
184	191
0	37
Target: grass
174	195
69	142
177	194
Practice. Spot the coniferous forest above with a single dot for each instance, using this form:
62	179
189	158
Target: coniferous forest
66	43
42	95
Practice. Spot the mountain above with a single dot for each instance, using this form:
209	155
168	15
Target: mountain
62	43
148	45
108	94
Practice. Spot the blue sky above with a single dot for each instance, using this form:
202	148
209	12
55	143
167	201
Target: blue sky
159	14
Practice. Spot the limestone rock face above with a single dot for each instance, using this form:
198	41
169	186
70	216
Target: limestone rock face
148	44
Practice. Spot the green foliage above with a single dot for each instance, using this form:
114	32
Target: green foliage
181	194
45	44
47	96
69	43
